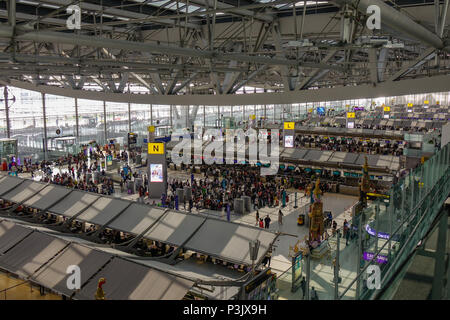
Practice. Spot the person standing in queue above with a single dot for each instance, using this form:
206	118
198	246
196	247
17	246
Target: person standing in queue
267	222
261	223
280	217
257	217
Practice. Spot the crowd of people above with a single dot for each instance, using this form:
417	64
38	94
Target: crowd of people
348	145
222	184
82	171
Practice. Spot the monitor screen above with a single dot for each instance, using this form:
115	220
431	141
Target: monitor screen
289	141
350	125
321	110
386	116
156	173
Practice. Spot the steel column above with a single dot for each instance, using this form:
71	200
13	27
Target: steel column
77	126
8	128
104	121
45	127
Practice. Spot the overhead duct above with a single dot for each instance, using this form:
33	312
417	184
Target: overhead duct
398	21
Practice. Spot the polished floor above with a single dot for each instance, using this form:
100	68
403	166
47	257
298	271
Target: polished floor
12	288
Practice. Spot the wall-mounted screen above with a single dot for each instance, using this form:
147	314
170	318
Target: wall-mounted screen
156	173
289	141
350	125
321	111
386	116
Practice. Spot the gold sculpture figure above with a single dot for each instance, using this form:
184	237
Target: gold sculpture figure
100	294
316	225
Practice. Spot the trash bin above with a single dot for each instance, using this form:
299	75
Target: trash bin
188	193
180	194
239	206
247	203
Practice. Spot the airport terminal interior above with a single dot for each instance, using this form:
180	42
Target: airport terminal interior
224	150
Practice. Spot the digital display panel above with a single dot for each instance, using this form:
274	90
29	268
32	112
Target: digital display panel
289	141
350	125
156	173
321	111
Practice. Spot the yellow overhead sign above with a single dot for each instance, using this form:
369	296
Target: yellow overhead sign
156	148
426	102
252	117
437	102
410	104
387	109
289	125
151	128
350	115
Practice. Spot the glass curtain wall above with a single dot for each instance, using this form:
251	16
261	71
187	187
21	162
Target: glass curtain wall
90	120
161	119
26	116
140	117
26	122
211	116
196	114
238	114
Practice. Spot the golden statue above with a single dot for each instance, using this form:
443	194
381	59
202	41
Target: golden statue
100	294
316	225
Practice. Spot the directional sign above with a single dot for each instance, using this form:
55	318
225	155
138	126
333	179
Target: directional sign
410	104
387	109
151	128
156	148
350	115
426	102
289	125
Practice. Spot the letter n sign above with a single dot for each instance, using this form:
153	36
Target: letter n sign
156	148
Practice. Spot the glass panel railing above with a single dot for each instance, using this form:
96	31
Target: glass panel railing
397	227
382	235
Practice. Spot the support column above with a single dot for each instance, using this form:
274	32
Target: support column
77	126
151	114
8	128
308	275
11	13
439	262
336	267
45	127
359	255
104	121
129	117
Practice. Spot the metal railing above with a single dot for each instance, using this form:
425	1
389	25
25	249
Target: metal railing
388	231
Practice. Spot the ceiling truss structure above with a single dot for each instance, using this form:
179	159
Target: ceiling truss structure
220	47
